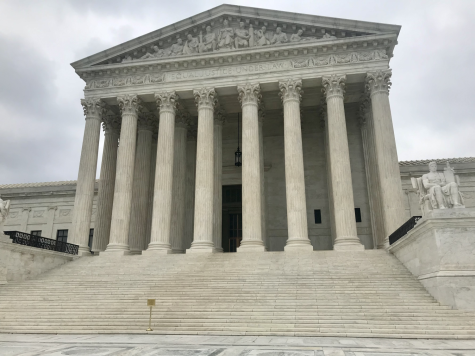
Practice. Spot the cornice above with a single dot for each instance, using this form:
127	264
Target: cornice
255	16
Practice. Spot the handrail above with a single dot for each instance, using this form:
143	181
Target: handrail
22	238
403	229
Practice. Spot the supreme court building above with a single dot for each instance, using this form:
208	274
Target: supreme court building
306	100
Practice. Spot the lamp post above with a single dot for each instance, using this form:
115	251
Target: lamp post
238	154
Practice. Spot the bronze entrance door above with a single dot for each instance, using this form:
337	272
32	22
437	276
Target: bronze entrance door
232	217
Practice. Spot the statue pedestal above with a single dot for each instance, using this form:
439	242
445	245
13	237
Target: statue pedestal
440	252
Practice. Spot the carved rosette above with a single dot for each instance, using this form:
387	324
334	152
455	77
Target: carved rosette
167	101
249	94
111	123
261	112
219	115
291	89
205	97
93	107
129	104
147	121
378	82
334	86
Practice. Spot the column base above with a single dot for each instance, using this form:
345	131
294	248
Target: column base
116	249
348	243
251	246
298	245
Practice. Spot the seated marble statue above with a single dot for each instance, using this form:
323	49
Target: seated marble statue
241	36
226	37
177	48
208	43
191	45
441	188
261	37
327	36
157	53
279	37
127	59
297	37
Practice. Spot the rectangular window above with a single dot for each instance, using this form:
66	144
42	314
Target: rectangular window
318	216
91	235
36	232
358	214
62	235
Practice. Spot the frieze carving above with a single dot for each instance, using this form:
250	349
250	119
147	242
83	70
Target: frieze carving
205	97
378	82
249	94
334	59
38	213
291	89
167	101
64	212
129	104
334	85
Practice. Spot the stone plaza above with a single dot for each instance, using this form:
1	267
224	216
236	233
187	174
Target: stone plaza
311	205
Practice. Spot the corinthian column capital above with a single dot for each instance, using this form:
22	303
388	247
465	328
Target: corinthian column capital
379	81
182	117
111	123
205	97
167	101
147	121
94	107
249	94
129	104
291	89
334	85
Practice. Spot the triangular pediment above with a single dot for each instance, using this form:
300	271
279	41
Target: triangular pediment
229	28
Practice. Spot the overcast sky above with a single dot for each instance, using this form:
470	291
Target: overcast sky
41	118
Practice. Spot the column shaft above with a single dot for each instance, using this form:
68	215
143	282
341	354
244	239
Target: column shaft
179	186
87	175
218	185
141	184
204	185
263	190
250	96
290	92
151	185
120	221
160	240
105	196
340	169
392	205
190	188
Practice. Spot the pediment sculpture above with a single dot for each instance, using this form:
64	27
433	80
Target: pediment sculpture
227	38
438	190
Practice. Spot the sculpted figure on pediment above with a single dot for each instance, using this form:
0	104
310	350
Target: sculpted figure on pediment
177	48
157	53
279	37
127	59
226	37
297	37
208	42
261	38
242	36
191	45
327	36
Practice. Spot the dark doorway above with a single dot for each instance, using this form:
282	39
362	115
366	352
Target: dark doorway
232	217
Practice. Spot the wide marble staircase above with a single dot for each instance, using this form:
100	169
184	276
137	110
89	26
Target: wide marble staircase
328	293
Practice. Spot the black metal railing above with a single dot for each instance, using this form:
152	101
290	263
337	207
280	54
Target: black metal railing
22	238
403	229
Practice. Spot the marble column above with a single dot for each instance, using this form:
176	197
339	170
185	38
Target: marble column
151	185
190	185
160	239
140	192
346	237
291	94
392	206
219	119
261	115
206	99
372	175
130	107
179	181
250	97
93	110
105	195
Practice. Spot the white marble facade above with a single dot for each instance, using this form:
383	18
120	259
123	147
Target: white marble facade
316	134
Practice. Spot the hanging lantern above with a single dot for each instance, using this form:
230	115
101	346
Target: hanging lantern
237	154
